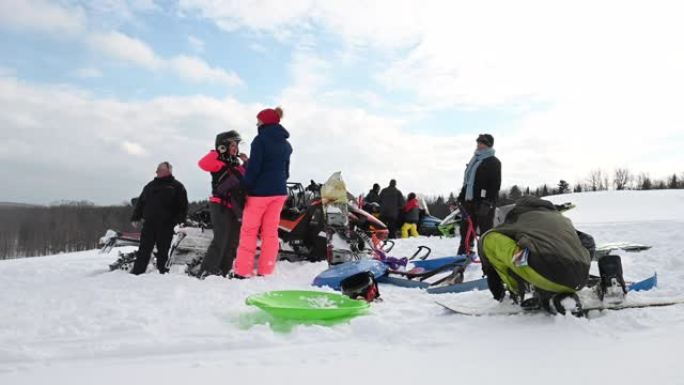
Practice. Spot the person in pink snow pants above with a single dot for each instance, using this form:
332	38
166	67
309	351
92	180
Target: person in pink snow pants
266	182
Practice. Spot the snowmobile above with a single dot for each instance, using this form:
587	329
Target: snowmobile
189	242
429	225
113	239
448	226
314	231
307	232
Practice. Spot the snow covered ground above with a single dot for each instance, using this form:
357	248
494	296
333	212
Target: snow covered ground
66	320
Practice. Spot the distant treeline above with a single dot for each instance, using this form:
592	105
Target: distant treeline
27	231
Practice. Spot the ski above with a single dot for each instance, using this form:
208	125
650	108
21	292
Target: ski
514	309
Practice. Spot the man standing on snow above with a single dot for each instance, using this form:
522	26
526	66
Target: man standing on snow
391	202
162	204
481	184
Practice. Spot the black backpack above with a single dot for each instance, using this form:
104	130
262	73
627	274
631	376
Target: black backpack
229	187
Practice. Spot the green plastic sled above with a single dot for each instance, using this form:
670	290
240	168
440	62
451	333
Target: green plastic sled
307	305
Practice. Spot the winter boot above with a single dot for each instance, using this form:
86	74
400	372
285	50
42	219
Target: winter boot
564	303
612	285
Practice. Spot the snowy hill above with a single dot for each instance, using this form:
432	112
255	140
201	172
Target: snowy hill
67	320
624	206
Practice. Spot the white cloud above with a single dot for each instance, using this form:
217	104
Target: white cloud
7	72
144	5
129	49
88	73
196	43
197	70
266	15
381	22
133	148
104	150
126	48
609	77
596	84
41	16
256	47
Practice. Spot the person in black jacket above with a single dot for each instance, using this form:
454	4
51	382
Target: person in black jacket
162	204
391	202
371	202
481	184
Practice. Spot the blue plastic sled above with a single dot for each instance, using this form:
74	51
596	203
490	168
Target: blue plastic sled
335	274
436	263
646	284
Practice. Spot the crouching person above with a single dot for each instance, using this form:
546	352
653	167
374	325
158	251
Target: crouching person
536	249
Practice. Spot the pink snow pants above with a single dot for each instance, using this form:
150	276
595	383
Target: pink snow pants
264	213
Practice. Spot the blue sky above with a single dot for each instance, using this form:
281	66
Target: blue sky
377	90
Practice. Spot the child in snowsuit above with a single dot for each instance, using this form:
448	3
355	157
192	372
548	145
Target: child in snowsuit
411	211
226	211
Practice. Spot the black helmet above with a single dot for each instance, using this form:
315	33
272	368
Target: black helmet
224	139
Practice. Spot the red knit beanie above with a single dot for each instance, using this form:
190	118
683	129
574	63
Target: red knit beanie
270	115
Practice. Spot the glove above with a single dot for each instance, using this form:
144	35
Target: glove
136	224
484	208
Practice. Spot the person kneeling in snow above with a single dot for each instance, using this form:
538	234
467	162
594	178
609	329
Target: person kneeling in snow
537	248
411	211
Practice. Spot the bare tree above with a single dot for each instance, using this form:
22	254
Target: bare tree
622	178
597	180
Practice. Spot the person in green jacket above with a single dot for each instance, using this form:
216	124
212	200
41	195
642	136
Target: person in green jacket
535	249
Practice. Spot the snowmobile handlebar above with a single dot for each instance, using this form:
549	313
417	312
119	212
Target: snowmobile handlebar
423	257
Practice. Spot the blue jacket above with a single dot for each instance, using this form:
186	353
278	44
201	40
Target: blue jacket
269	162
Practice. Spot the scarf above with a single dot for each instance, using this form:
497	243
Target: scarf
471	170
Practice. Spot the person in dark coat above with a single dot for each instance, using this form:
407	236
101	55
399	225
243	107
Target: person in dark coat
373	195
266	181
391	203
225	205
162	204
480	191
371	202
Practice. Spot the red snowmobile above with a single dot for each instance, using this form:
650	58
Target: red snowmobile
312	231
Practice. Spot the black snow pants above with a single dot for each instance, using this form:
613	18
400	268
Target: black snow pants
392	225
160	234
483	221
221	252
